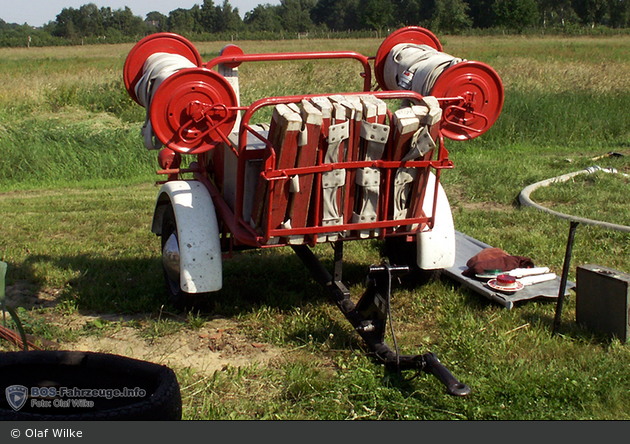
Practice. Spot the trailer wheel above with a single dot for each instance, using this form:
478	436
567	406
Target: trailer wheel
401	252
170	264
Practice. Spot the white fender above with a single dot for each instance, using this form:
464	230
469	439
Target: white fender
436	247
201	267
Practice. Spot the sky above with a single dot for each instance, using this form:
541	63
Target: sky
40	12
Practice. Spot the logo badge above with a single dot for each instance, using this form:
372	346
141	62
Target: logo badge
16	396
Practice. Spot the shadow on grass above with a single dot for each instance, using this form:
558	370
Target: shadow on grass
253	280
95	284
105	285
570	329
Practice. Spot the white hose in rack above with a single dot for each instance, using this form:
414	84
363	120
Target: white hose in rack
415	67
157	68
525	200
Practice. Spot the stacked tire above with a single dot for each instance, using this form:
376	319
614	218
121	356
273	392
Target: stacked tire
152	391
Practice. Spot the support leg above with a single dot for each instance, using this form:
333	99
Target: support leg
565	274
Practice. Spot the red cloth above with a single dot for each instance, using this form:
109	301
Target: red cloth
495	259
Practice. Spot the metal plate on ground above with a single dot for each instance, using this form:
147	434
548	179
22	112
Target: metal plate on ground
467	247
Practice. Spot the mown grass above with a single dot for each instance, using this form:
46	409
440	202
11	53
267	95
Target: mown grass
77	199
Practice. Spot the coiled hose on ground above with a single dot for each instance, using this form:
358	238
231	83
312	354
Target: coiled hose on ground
525	200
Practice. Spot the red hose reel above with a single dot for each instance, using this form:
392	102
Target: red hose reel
475	86
165	42
194	109
191	111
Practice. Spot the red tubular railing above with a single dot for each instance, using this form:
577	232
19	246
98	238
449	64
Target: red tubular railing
235	60
247	235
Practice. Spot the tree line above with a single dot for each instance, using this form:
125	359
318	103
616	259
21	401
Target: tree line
91	24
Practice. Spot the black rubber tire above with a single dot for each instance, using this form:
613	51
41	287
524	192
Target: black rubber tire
89	370
180	299
401	252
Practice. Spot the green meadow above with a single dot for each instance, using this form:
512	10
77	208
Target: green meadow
77	190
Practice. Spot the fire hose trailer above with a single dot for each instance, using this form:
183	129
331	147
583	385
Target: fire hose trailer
329	168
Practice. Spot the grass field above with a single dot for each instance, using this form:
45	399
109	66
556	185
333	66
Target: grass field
77	195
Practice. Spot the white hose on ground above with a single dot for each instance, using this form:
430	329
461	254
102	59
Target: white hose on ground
157	68
525	200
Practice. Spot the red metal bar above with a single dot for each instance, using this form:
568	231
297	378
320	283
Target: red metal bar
177	171
355	226
226	215
283	57
283	174
385	95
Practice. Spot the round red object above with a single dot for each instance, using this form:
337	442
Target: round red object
410	34
231	51
169	159
160	42
505	280
482	90
192	110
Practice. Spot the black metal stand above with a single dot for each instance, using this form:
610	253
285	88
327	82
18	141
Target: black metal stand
565	275
369	315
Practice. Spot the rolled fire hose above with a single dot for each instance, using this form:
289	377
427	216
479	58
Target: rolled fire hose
416	67
525	200
157	68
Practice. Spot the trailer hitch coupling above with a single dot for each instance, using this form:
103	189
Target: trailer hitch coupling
370	314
